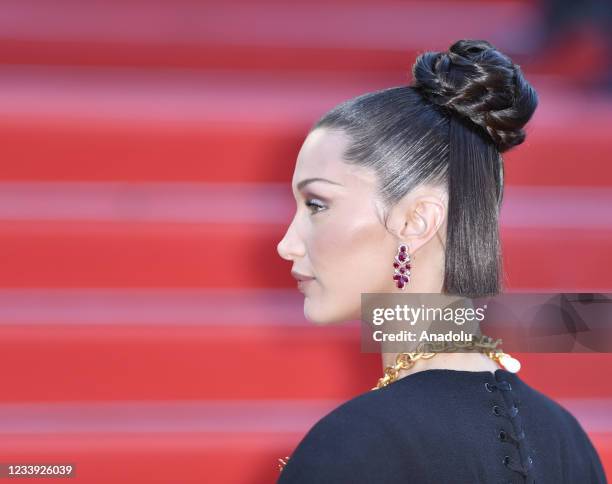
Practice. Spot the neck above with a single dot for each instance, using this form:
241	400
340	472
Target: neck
449	361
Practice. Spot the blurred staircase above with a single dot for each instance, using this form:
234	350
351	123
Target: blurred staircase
149	331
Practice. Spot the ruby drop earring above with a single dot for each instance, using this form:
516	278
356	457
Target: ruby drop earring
401	266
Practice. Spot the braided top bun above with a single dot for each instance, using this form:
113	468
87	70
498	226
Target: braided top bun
480	83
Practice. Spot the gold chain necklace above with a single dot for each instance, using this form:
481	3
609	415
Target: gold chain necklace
482	344
403	361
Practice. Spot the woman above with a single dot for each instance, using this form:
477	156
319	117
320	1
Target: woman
418	170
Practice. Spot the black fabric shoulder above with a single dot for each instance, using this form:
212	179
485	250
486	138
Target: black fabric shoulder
346	445
575	439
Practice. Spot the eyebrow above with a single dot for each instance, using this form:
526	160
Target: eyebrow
306	181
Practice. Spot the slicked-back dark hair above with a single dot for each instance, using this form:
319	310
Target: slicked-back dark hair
463	109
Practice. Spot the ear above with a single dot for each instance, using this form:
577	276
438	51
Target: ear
419	216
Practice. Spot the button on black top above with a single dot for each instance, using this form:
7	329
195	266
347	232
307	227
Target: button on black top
505	385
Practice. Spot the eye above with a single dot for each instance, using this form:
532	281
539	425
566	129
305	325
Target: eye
313	202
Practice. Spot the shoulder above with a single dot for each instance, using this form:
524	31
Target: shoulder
385	433
551	418
550	413
349	444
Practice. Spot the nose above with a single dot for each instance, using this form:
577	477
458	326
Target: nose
290	247
280	248
283	248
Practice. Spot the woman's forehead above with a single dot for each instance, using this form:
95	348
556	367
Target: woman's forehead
321	156
322	150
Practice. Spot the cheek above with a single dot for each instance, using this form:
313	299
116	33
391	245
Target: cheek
348	253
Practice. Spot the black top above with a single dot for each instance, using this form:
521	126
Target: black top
447	426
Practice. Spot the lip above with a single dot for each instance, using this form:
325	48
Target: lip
301	277
301	285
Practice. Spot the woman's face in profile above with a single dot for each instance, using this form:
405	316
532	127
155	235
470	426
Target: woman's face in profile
337	236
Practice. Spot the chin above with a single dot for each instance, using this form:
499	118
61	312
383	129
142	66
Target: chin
320	316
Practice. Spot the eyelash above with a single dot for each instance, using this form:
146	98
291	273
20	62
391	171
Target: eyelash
309	203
